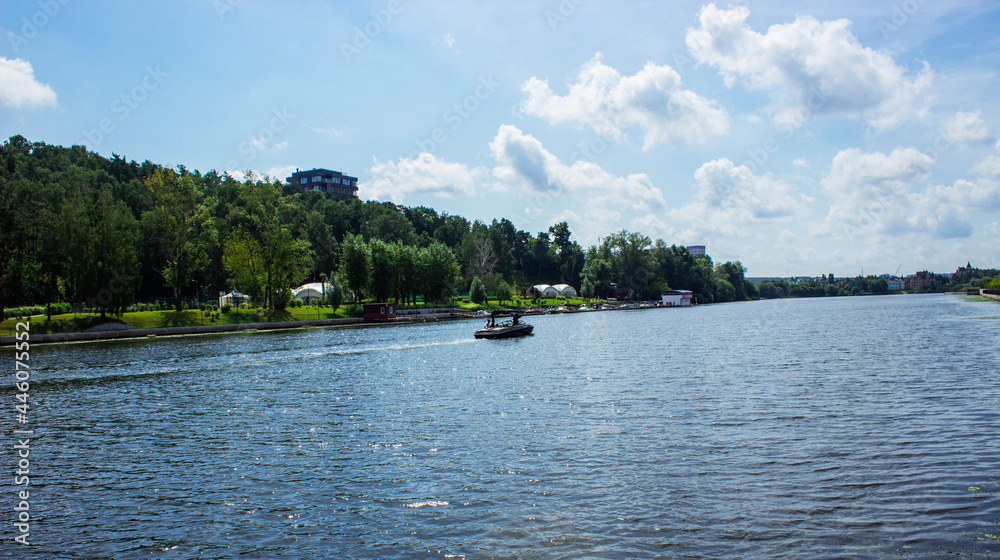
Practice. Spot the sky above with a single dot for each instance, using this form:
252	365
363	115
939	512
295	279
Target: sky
799	138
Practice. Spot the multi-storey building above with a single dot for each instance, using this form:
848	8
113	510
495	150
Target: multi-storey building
326	181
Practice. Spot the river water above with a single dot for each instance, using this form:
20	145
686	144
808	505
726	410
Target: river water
859	427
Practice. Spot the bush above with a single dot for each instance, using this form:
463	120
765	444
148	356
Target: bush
297	302
61	307
225	309
23	311
282	298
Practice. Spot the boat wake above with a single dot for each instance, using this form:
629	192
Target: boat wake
388	348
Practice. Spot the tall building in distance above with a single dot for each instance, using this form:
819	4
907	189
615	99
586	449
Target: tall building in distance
696	249
325	180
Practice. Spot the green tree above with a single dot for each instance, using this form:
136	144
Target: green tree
335	292
597	272
383	269
504	292
477	292
99	239
180	224
439	271
735	274
631	261
285	260
406	273
324	246
243	260
355	265
391	226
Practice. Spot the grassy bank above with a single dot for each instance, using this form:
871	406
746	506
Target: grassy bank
75	322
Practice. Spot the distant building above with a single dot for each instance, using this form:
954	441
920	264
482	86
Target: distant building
696	249
922	280
544	290
378	311
309	293
677	298
325	180
565	290
895	284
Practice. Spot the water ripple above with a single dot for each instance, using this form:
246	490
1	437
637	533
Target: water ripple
854	427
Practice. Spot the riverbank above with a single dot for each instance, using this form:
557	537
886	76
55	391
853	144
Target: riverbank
127	333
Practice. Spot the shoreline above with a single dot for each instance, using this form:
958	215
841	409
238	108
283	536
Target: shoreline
152	332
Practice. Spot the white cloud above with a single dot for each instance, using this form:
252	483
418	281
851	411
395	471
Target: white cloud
424	174
730	199
966	127
652	100
332	132
19	88
808	67
281	172
591	225
871	190
800	162
653	226
988	166
275	173
525	166
875	193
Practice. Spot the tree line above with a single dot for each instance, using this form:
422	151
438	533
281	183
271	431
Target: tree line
104	233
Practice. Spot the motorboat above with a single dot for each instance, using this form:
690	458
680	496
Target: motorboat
511	329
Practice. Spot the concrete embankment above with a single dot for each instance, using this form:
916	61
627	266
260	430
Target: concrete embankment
222	328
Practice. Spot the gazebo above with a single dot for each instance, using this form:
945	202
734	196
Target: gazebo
233	298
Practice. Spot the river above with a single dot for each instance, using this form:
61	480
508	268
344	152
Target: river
858	427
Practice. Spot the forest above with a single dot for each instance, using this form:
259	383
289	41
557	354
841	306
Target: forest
83	230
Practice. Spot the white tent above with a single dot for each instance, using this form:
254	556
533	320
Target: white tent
233	298
309	292
565	290
545	290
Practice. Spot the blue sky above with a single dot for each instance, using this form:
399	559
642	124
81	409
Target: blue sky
800	138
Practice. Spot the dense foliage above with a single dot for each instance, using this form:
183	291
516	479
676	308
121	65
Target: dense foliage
102	233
